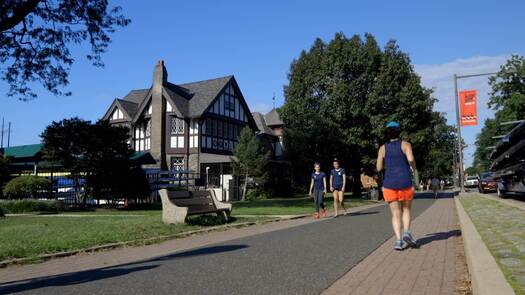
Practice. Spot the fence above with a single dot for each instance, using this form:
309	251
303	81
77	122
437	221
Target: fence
73	193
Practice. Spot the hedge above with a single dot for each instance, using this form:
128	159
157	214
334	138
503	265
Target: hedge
28	205
27	186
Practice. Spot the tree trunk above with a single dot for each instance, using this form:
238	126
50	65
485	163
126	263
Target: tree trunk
244	187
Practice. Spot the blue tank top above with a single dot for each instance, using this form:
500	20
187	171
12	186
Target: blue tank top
397	169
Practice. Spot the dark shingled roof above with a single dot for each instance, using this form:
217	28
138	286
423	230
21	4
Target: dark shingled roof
136	96
129	107
273	118
191	99
261	123
203	94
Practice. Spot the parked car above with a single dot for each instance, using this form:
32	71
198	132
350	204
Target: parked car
471	181
487	183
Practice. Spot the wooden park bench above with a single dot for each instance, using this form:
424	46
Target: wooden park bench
176	205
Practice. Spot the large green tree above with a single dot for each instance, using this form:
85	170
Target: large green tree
4	172
250	158
508	100
340	95
36	37
98	153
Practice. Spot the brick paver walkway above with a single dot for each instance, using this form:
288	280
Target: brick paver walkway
435	268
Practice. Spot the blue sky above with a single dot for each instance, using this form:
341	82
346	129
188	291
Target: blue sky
257	40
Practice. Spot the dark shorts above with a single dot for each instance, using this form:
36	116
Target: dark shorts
338	187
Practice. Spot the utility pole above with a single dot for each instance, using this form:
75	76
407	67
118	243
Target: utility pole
2	140
9	135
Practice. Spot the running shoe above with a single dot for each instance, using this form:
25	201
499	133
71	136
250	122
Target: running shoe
399	245
316	215
325	213
407	237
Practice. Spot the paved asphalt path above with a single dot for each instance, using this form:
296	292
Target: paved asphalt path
299	260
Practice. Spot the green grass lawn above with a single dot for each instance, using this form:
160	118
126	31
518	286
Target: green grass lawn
32	235
292	206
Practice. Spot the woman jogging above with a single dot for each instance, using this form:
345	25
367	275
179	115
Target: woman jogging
337	186
317	190
397	159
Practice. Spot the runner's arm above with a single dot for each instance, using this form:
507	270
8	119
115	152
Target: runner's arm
311	185
380	159
407	149
344	182
324	184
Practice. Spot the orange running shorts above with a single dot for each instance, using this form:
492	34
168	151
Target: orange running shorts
392	195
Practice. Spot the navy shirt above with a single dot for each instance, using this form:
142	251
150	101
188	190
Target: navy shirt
338	176
318	180
397	169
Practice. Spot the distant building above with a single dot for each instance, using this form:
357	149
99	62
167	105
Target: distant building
271	127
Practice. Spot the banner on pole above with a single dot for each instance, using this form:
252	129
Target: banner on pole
468	109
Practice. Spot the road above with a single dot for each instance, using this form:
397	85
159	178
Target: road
300	260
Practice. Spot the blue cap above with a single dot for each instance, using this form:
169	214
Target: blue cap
392	124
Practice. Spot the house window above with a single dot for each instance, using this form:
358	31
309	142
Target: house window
143	136
194	134
177	163
177	132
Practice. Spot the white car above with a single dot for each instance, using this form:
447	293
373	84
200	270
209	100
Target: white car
471	181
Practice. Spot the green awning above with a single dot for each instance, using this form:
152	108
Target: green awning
23	151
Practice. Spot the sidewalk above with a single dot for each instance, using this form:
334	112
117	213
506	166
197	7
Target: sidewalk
438	267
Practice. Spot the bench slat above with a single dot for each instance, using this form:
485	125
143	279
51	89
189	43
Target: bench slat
201	209
179	194
192	202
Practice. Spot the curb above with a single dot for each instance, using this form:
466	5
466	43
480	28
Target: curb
486	276
5	263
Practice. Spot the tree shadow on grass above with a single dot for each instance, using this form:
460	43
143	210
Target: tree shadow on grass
438	236
108	272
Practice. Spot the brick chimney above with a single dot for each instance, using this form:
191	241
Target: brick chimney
158	116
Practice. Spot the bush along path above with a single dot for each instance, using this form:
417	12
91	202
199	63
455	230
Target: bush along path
502	228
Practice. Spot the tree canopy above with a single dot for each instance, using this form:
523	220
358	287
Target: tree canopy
98	153
36	36
507	98
341	94
250	158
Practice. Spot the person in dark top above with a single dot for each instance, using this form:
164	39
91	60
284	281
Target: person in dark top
397	159
318	190
337	186
435	186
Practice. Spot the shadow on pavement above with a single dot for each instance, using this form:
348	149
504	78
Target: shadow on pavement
438	236
107	272
362	213
430	195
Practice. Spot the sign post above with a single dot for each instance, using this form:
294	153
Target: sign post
468	119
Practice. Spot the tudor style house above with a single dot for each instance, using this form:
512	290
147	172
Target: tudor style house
188	126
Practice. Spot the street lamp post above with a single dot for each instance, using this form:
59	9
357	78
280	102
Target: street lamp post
458	118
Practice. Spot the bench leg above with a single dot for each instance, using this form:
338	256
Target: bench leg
225	215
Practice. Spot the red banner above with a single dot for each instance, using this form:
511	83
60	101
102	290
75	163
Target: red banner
467	106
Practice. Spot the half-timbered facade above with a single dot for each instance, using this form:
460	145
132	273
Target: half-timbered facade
186	126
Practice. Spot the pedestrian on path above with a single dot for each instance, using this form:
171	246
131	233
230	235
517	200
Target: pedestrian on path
397	159
435	186
318	190
337	186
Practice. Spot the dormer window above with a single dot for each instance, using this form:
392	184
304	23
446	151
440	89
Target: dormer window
117	114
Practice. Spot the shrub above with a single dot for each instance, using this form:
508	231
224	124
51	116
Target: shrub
1	212
28	205
26	187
